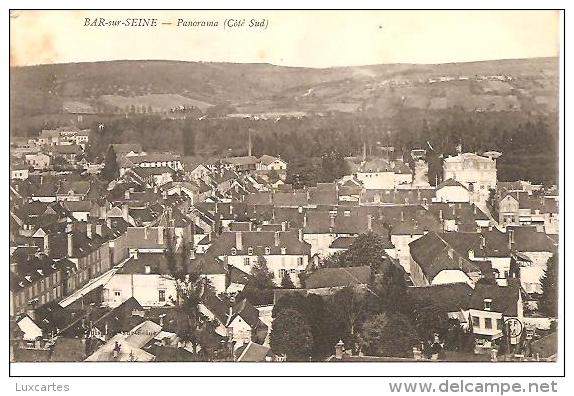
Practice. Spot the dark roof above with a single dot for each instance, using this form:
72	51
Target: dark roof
338	277
157	263
449	297
528	239
450	183
207	265
258	241
342	242
248	313
69	350
433	255
216	306
253	352
504	298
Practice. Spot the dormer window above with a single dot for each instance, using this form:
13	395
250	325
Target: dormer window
250	251
347	213
283	250
233	251
267	250
487	304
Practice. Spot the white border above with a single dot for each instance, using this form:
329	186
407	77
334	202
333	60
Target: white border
396	369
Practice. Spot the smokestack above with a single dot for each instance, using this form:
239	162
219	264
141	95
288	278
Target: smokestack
276	238
510	239
125	212
70	244
238	240
249	142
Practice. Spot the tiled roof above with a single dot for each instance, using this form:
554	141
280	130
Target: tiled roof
449	297
504	298
258	241
338	277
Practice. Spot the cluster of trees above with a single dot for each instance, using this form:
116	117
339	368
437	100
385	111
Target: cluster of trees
315	146
380	319
548	303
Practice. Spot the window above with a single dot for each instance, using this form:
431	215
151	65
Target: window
268	250
161	295
487	304
476	321
250	251
488	323
299	261
283	250
246	262
233	251
117	293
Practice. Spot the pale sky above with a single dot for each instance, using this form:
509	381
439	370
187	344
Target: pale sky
292	38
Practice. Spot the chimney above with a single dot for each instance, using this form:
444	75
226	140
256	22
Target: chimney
125	211
283	226
471	254
339	348
109	222
99	229
369	223
276	238
70	244
230	209
305	220
127	194
89	230
440	215
474	207
482	241
300	232
510	239
46	243
402	216
238	240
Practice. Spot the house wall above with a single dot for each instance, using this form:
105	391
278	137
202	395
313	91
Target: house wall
451	276
241	332
417	275
402	249
453	194
143	287
218	281
45	290
276	264
377	180
319	243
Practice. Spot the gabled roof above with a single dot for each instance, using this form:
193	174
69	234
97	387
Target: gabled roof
338	277
528	239
269	159
248	313
253	352
342	242
504	298
433	254
449	297
450	183
258	241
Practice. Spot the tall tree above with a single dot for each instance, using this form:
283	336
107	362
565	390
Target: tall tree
390	335
259	288
291	336
111	169
548	303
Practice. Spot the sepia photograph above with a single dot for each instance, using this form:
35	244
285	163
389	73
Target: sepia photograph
228	186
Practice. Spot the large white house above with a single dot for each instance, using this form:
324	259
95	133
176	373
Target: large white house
476	173
284	252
